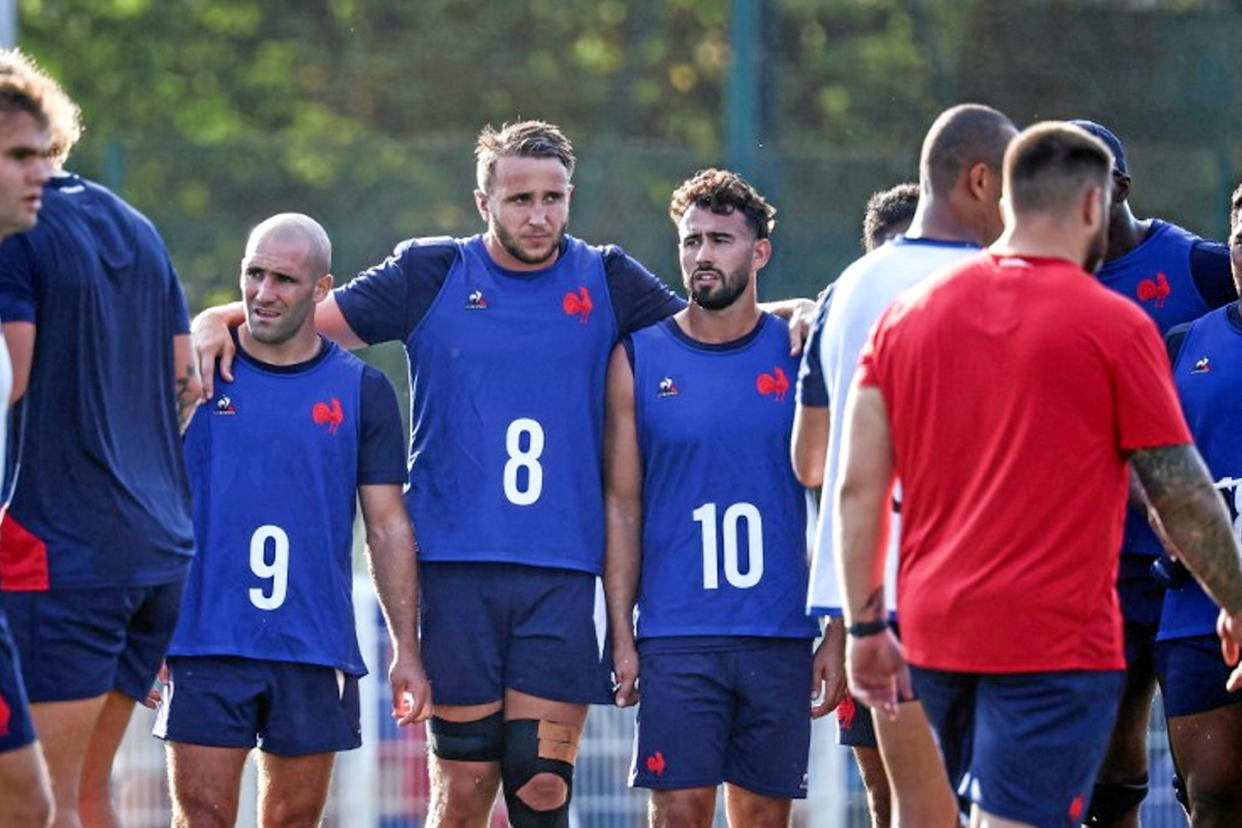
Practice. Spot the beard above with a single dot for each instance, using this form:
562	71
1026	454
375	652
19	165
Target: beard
721	295
513	247
1096	250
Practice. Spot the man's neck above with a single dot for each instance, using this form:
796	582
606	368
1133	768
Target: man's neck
1040	240
936	220
1125	232
503	258
717	327
301	347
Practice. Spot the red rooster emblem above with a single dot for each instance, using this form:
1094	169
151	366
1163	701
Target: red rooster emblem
1157	289
5	715
655	763
775	383
1077	807
846	711
332	416
578	304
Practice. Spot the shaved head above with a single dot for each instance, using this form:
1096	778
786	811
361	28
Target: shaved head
961	137
298	225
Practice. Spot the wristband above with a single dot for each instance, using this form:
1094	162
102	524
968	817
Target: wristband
862	629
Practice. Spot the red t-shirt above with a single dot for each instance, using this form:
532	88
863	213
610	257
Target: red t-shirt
1014	387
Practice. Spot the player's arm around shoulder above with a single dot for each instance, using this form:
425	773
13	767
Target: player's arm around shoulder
623	518
391	559
189	387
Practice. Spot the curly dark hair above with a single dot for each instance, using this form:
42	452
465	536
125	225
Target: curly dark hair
722	191
887	209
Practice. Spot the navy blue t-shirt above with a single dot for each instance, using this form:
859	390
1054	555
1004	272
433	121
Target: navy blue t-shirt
101	497
275	461
507	377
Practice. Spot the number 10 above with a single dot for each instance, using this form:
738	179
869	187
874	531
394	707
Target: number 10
706	515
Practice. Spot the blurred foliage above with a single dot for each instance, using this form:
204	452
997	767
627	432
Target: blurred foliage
211	114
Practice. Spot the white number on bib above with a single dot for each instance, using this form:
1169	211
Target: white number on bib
277	570
706	515
527	458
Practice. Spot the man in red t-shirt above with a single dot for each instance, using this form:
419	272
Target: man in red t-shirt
1008	394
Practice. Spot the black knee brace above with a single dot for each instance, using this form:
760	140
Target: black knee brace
1111	800
531	747
479	741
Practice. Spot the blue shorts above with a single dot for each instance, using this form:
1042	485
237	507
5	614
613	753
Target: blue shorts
488	627
1192	675
855	727
1142	598
16	728
281	707
715	710
82	643
1023	746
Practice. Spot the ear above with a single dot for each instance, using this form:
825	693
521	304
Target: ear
569	193
761	255
1121	188
323	286
977	180
480	204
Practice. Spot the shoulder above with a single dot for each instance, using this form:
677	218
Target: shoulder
617	263
428	250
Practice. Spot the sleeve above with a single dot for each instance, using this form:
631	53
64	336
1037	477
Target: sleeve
381	452
812	388
1146	408
1209	267
18	296
1174	339
388	301
639	299
177	308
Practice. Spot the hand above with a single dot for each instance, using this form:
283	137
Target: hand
800	324
1229	628
156	694
625	668
877	671
211	340
828	670
411	692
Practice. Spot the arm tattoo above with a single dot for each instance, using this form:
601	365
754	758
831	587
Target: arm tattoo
873	608
1194	517
187	400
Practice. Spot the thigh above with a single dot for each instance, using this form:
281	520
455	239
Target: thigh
147	637
1039	742
748	809
948	700
311	709
1192	676
918	782
23	782
212	701
1207	748
771	735
69	640
463	631
16	727
205	783
685	715
556	647
293	789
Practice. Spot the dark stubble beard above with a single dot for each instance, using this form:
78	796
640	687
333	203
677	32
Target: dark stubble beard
731	286
510	244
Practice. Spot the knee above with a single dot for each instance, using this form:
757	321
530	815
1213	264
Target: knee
31	811
291	813
674	809
544	792
1214	800
195	809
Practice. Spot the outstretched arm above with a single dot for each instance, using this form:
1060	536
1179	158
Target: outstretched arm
394	571
623	515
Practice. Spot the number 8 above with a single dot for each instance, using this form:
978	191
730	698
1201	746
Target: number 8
528	459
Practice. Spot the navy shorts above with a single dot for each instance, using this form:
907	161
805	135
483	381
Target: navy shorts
488	627
16	728
1192	675
282	707
1142	598
82	643
1023	746
715	710
854	725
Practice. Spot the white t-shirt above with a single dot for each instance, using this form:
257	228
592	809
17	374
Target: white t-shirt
863	292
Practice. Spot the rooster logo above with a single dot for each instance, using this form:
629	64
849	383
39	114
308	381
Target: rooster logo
1077	806
578	304
655	763
775	383
5	716
846	711
1158	290
331	416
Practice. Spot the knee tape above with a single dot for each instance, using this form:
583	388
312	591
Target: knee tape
1112	800
533	746
479	741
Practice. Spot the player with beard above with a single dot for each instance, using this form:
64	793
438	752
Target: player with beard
1009	394
508	335
706	530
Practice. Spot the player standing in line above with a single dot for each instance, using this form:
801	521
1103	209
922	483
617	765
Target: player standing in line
96	542
28	105
713	519
1007	394
958	210
1175	277
1204	716
508	335
265	646
888	214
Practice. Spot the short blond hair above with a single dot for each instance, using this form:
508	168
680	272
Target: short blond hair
525	139
24	87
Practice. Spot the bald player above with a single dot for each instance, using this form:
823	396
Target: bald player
265	652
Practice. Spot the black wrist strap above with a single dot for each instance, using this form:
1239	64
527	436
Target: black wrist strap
862	629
